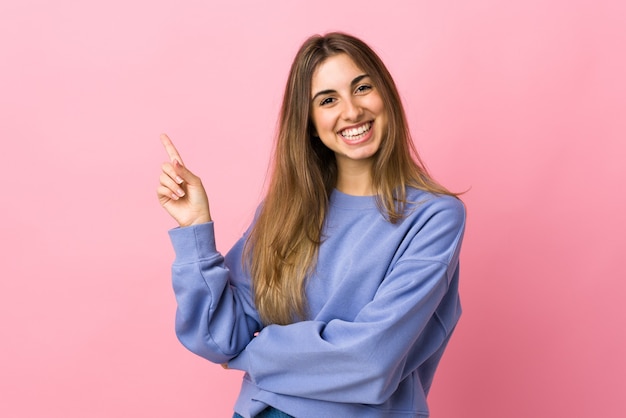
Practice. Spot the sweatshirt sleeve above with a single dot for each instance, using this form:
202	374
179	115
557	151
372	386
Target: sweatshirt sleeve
214	317
365	359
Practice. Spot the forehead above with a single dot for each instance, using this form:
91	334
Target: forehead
335	72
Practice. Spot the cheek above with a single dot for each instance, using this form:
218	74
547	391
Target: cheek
378	105
379	108
321	123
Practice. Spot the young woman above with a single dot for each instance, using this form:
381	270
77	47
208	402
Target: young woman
340	298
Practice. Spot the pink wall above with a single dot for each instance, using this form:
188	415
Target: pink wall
523	102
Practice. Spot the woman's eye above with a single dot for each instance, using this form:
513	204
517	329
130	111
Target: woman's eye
363	88
326	101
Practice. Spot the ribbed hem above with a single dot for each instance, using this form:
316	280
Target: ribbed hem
193	243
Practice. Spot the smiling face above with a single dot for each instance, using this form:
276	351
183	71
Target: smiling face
347	112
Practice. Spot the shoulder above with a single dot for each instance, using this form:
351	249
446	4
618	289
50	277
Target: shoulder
444	208
435	226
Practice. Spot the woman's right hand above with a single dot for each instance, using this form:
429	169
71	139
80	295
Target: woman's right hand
181	192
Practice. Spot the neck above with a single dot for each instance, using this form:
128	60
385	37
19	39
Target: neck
355	179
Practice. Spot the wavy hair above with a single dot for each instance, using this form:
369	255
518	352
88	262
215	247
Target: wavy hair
281	250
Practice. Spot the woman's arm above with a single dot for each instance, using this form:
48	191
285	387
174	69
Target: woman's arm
215	317
363	360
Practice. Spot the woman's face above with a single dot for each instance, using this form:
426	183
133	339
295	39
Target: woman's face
347	112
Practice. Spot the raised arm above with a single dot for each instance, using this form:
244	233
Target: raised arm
214	317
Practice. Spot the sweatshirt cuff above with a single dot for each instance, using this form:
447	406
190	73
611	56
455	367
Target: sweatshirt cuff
193	243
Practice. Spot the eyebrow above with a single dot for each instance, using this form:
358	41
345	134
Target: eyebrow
354	82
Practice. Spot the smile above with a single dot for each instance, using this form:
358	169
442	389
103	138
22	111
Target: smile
354	134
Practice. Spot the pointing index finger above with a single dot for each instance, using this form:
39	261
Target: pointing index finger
170	149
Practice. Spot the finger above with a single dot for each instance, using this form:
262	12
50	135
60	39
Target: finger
171	171
165	194
171	185
184	174
171	149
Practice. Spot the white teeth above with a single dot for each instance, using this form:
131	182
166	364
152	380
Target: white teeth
356	132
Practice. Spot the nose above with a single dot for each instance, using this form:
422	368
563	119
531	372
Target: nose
352	110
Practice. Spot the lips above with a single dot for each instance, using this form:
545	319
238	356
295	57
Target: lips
356	133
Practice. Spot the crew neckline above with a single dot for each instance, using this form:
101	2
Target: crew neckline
348	201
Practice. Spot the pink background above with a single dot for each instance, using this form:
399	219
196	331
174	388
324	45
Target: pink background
522	102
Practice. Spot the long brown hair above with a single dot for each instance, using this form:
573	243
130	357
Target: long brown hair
281	250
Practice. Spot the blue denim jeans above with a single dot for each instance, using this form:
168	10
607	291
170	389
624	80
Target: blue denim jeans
268	412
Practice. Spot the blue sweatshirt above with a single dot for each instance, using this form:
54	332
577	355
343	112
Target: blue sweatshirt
383	302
